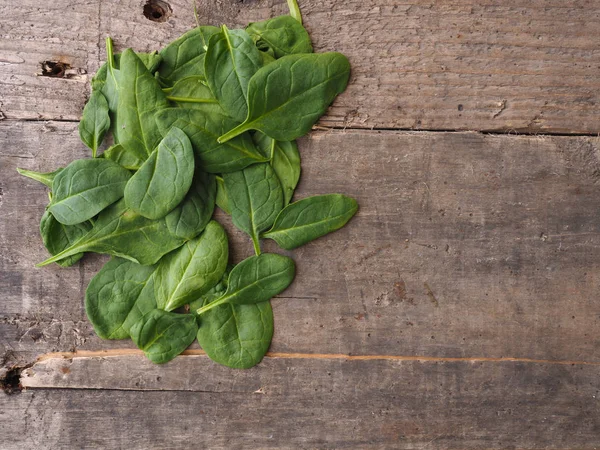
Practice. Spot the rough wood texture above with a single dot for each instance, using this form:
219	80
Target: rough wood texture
464	65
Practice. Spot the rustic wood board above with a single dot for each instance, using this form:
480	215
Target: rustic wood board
513	65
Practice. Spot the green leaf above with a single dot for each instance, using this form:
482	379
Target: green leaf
184	56
164	335
44	178
118	296
57	237
140	97
285	160
190	91
164	179
95	121
286	97
222	201
283	35
118	231
85	187
310	218
230	62
118	154
190	271
255	198
203	127
256	280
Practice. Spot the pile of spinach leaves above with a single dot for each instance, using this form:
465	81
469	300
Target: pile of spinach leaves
209	120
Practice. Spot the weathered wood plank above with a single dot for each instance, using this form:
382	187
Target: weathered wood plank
310	403
462	65
466	245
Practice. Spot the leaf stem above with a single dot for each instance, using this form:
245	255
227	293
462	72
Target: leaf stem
191	100
110	58
256	244
211	305
37	176
294	10
233	133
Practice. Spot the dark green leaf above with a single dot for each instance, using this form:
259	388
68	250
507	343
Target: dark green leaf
57	237
85	187
203	127
310	218
164	179
120	232
284	35
44	178
285	160
286	97
255	198
193	214
190	271
118	296
256	280
184	57
230	62
164	335
95	121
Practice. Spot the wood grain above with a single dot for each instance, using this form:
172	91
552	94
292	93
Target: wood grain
511	65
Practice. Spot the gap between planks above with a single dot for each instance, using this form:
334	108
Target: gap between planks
332	356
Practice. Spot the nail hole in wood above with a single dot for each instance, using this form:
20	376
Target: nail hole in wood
157	10
55	69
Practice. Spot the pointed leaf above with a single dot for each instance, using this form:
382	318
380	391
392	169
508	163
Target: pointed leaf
57	237
95	121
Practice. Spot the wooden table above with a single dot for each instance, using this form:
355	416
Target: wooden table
459	309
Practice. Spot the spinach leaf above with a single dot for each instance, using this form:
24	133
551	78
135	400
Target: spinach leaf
140	96
283	35
184	56
118	296
163	335
222	201
190	91
255	280
310	218
193	214
236	336
119	231
164	179
230	62
118	154
190	271
44	178
57	237
203	127
285	160
286	97
95	121
294	10
255	198
85	187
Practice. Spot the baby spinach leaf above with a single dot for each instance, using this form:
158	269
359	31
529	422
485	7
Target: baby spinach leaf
203	127
118	296
312	217
163	335
184	56
44	178
222	201
140	97
284	35
286	97
85	187
164	179
192	215
255	198
230	62
119	231
190	91
285	160
95	121
294	10
57	237
118	154
190	271
255	280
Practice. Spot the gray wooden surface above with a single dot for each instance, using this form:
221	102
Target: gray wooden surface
458	309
